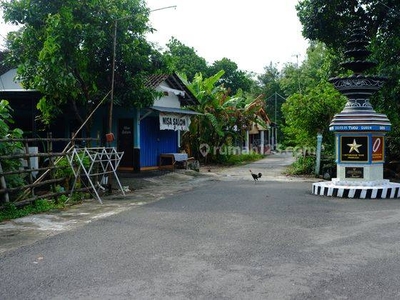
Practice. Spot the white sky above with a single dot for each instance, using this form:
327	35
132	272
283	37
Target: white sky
4	28
252	33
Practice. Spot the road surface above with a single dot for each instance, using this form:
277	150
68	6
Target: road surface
223	238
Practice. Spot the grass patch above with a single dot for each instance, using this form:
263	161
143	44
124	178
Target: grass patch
11	211
232	160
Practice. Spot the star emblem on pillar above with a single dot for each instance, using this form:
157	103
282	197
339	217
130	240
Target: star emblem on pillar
354	146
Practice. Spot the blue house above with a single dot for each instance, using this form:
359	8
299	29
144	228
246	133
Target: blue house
142	134
145	134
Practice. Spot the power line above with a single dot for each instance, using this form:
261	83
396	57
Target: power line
391	9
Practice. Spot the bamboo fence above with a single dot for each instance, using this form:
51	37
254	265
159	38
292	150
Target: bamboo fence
37	169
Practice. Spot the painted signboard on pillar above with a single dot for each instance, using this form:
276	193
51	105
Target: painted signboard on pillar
364	149
378	149
354	149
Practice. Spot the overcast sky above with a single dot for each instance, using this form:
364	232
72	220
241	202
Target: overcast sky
251	33
4	28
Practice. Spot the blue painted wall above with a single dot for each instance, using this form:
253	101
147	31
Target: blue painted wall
155	141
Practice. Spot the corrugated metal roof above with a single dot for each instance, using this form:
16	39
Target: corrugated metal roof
175	110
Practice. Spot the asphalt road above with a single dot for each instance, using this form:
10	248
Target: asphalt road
227	238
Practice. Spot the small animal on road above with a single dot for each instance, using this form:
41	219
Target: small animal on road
255	176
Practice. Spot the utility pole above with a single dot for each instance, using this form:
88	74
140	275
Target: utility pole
275	131
110	112
110	135
297	67
275	121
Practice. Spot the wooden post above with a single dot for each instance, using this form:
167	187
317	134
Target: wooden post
51	163
28	161
3	184
73	139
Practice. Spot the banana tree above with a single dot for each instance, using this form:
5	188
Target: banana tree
223	118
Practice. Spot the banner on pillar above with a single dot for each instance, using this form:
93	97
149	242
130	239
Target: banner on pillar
378	153
174	122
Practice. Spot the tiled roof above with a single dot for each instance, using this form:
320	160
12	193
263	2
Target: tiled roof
155	80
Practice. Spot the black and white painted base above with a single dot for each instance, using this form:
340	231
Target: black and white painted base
387	190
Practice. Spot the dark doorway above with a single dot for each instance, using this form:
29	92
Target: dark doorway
125	142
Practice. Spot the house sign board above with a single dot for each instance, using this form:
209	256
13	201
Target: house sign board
174	122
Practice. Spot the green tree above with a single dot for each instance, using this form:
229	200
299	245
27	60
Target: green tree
270	86
331	23
184	59
233	78
223	118
310	107
206	128
321	62
269	80
309	113
9	148
64	49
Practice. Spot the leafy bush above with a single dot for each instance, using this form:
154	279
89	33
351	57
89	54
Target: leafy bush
10	211
10	148
304	165
64	170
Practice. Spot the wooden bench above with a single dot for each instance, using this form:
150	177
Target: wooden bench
170	160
